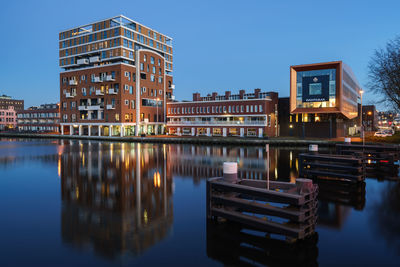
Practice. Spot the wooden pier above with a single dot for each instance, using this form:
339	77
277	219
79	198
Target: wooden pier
345	168
380	160
285	209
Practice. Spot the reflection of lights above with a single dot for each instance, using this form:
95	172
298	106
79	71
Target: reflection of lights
290	158
146	219
291	126
77	192
59	166
297	164
369	161
157	179
276	173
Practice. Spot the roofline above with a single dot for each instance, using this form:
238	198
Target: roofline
119	16
316	64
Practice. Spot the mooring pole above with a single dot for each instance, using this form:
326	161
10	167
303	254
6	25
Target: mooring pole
267	149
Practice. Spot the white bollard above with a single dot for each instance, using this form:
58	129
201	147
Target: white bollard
347	140
313	148
230	172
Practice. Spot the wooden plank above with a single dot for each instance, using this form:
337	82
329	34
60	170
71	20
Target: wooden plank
265	194
335	166
251	206
332	174
263	184
331	158
297	231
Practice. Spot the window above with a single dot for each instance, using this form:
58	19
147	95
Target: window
159	79
126	74
159	71
251	108
160	92
126	102
126	87
260	108
247	108
84	91
229	109
152	60
154	69
144	58
159	62
241	108
141	66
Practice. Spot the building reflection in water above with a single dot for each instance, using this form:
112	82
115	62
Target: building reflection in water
117	197
202	162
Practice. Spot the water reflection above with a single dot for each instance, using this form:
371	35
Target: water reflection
385	215
202	162
234	246
116	197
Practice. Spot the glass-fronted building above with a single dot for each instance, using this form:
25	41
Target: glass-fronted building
323	100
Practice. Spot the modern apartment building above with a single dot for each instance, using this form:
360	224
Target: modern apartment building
8	118
323	101
116	78
6	101
45	118
244	114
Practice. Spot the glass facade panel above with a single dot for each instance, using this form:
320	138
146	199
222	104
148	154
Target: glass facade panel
316	88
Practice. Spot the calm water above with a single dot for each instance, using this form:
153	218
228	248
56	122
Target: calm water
96	203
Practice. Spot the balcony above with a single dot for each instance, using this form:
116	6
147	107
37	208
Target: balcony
83	61
99	92
110	106
91	107
73	82
68	95
97	80
112	91
110	78
94	59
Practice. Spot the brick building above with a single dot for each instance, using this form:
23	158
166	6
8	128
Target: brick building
243	114
45	118
6	101
117	78
8	118
370	118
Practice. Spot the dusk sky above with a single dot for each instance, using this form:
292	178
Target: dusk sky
218	45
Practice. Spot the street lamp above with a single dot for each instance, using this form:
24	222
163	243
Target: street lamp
361	118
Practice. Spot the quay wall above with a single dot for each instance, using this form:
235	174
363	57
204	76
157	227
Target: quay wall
237	141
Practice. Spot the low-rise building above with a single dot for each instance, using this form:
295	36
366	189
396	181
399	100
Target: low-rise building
370	118
7	101
8	119
45	118
244	114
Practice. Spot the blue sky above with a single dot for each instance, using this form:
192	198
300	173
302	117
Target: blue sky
218	45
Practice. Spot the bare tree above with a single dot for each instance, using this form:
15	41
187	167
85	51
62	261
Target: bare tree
384	73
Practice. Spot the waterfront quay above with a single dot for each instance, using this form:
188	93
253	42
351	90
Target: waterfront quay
186	140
